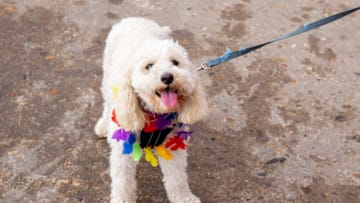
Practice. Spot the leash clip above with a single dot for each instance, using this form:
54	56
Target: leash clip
204	66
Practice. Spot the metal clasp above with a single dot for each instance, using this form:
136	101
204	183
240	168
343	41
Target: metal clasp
204	67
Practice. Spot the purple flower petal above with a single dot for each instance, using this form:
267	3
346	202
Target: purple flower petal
163	121
121	134
184	134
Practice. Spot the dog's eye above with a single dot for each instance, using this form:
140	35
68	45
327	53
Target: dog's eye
175	62
148	66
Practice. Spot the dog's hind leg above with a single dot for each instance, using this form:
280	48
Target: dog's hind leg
176	180
123	175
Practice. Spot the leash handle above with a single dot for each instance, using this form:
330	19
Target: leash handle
228	55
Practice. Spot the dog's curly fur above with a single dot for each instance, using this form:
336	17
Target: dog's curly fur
138	53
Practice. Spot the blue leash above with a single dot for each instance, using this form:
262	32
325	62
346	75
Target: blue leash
228	55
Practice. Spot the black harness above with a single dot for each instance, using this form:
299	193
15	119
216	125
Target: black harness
154	138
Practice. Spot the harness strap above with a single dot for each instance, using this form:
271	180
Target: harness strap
228	55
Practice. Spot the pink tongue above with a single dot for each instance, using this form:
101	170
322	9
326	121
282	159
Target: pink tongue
168	98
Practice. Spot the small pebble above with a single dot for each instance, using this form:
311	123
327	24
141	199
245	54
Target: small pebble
275	160
261	174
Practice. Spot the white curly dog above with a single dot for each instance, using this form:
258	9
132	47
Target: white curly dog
147	72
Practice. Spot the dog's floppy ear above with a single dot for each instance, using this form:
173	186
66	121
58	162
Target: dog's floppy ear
127	107
195	107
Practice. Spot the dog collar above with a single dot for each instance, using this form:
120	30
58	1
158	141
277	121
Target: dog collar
152	137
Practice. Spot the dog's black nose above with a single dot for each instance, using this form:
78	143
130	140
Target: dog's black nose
167	78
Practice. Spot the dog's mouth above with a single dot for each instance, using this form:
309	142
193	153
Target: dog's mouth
168	96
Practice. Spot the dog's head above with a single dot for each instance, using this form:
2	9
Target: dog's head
161	80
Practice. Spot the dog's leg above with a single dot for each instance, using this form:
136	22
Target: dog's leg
123	175
176	180
102	123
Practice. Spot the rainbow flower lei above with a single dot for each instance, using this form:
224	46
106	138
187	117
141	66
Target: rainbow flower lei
157	123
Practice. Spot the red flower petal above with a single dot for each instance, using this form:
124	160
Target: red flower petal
113	117
150	126
175	143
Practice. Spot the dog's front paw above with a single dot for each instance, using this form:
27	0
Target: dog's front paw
122	201
187	199
192	199
100	128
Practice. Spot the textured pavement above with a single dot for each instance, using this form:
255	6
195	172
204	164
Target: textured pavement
284	123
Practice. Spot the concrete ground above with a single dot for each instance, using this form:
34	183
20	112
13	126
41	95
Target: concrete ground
283	124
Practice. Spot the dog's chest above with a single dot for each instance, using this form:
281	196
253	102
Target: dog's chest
162	133
156	129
